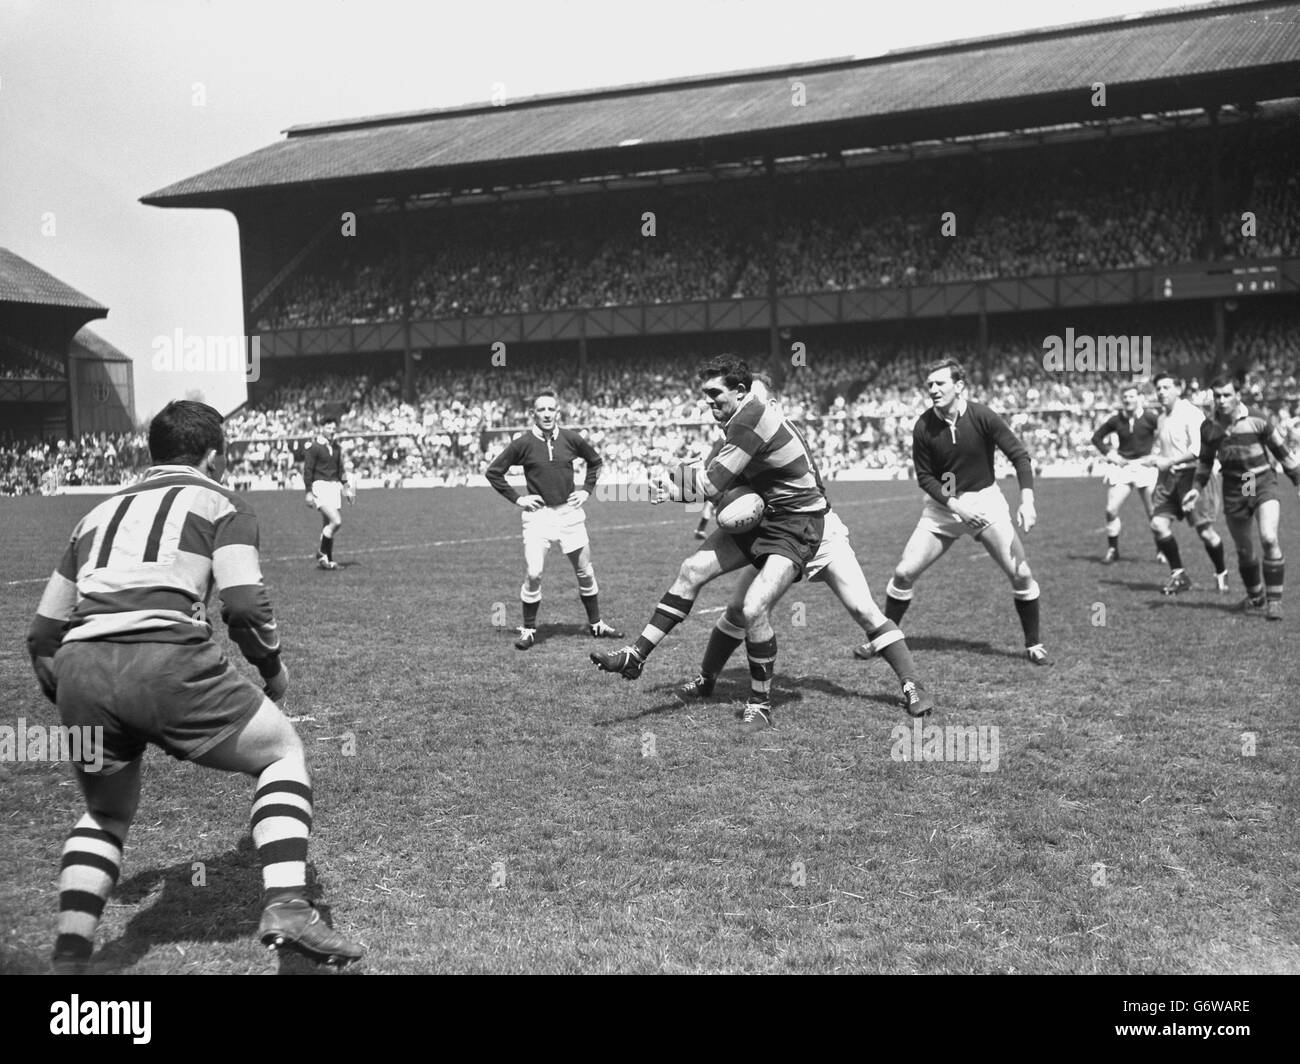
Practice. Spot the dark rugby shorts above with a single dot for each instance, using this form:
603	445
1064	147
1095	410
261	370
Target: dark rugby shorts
793	536
183	697
1239	506
1167	499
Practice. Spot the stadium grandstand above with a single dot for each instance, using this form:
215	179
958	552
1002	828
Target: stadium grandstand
838	223
67	400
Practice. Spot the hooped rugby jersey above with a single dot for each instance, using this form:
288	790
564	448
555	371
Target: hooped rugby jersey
141	565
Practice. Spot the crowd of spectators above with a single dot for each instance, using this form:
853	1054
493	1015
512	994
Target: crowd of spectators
1114	202
856	392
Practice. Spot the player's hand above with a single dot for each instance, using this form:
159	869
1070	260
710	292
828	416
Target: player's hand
1189	499
530	503
579	497
311	501
662	489
277	685
1118	458
974	521
1026	516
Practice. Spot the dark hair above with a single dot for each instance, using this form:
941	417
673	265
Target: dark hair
1166	375
733	371
546	391
184	431
1222	380
1131	386
958	370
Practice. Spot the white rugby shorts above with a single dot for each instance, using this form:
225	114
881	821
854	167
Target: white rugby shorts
834	548
563	524
1132	475
988	502
328	493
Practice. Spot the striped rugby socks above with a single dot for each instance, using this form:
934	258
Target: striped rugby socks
670	612
281	824
92	861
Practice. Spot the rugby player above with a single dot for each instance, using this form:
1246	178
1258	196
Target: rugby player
1242	439
837	566
1178	446
1134	429
121	642
552	510
952	451
323	473
768	450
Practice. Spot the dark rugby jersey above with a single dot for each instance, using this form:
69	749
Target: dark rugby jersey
965	449
547	463
764	448
324	461
1137	435
1242	446
138	566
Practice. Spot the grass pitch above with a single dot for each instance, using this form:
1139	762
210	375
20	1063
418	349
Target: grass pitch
479	809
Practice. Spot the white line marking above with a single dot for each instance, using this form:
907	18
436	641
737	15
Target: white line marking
484	539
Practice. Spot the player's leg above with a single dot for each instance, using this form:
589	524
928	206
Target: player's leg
588	591
718	555
922	550
1241	526
92	859
774	577
267	748
1166	509
1268	516
536	544
1213	544
1005	548
724	639
331	521
845	578
1115	496
1148	504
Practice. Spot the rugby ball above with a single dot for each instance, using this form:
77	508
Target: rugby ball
739	510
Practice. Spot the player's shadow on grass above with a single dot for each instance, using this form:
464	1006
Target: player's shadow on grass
731	694
225	906
974	646
1137	585
548	631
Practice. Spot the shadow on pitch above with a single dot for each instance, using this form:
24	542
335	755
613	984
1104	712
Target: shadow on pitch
226	908
974	646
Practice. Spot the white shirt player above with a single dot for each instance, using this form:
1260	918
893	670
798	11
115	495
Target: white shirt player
1178	432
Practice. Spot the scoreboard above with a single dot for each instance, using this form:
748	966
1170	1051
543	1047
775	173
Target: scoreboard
1219	279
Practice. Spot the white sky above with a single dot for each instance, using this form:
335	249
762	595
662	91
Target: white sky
96	111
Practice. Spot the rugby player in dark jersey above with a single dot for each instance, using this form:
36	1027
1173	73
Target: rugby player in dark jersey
552	511
952	450
1134	429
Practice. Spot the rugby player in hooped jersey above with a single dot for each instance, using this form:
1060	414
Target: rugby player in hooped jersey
952	450
835	565
121	643
552	511
1242	439
765	448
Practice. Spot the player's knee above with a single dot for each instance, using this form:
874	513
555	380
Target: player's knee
533	579
754	614
903	578
1112	515
1272	547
